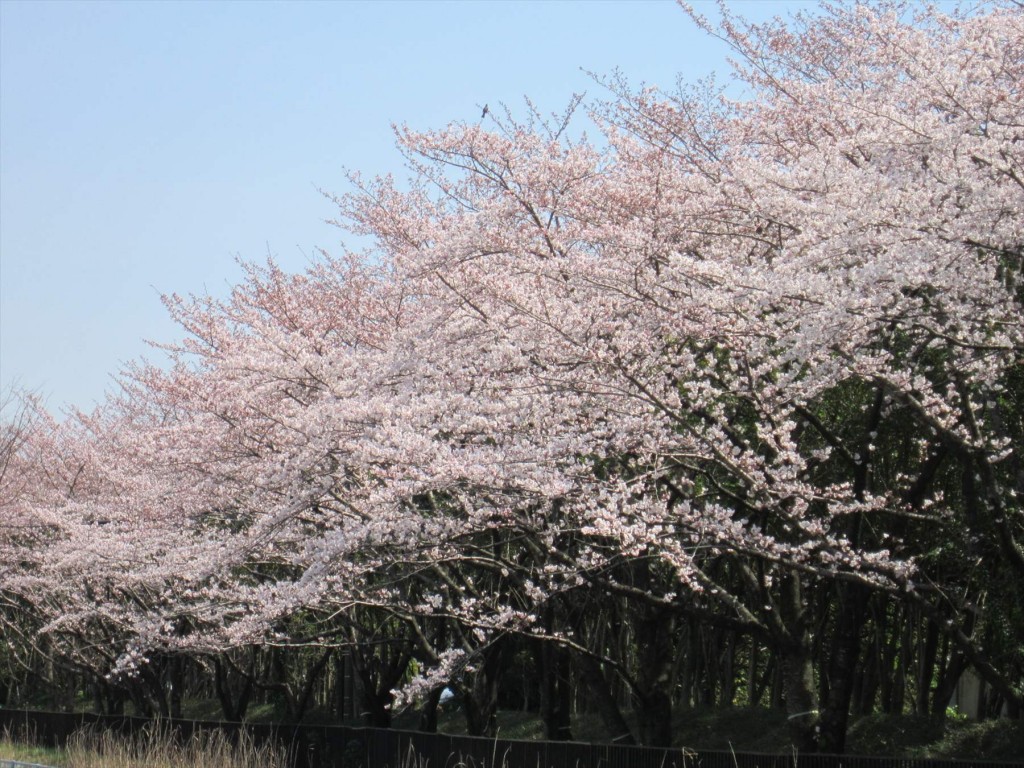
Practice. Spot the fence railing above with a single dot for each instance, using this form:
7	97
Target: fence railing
324	746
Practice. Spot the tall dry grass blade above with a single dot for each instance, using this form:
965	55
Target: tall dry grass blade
158	746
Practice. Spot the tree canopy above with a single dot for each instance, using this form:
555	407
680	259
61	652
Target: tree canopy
749	364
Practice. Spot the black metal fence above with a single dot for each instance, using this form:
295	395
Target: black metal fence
321	746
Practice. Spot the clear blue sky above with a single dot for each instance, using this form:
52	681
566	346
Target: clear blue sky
146	145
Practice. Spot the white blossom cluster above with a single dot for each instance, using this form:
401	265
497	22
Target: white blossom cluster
688	343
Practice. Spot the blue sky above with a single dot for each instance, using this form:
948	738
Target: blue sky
144	146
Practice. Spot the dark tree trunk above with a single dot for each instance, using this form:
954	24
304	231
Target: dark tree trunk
604	701
798	668
842	667
655	655
754	690
379	667
555	690
480	693
727	688
234	705
109	699
801	698
887	659
175	684
926	668
428	712
344	701
898	692
778	691
377	709
655	713
871	665
314	669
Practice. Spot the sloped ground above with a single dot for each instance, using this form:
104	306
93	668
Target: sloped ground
745	730
916	736
762	730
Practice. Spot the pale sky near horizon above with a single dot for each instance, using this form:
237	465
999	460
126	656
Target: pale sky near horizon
144	146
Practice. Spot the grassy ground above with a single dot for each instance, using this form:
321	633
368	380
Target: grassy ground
151	749
15	745
762	730
744	730
10	750
916	736
741	729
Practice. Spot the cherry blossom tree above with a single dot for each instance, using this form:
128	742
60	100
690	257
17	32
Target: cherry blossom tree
733	361
658	336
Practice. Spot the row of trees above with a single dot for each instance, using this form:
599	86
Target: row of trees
723	406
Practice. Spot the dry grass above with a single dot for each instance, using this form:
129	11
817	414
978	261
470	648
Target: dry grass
21	744
154	747
157	748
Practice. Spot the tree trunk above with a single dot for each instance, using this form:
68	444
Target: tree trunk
926	667
604	701
428	712
842	668
175	683
798	668
314	669
376	707
654	657
555	692
801	697
727	688
480	693
234	705
871	665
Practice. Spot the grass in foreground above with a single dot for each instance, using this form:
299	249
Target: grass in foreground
26	753
739	729
23	747
152	748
